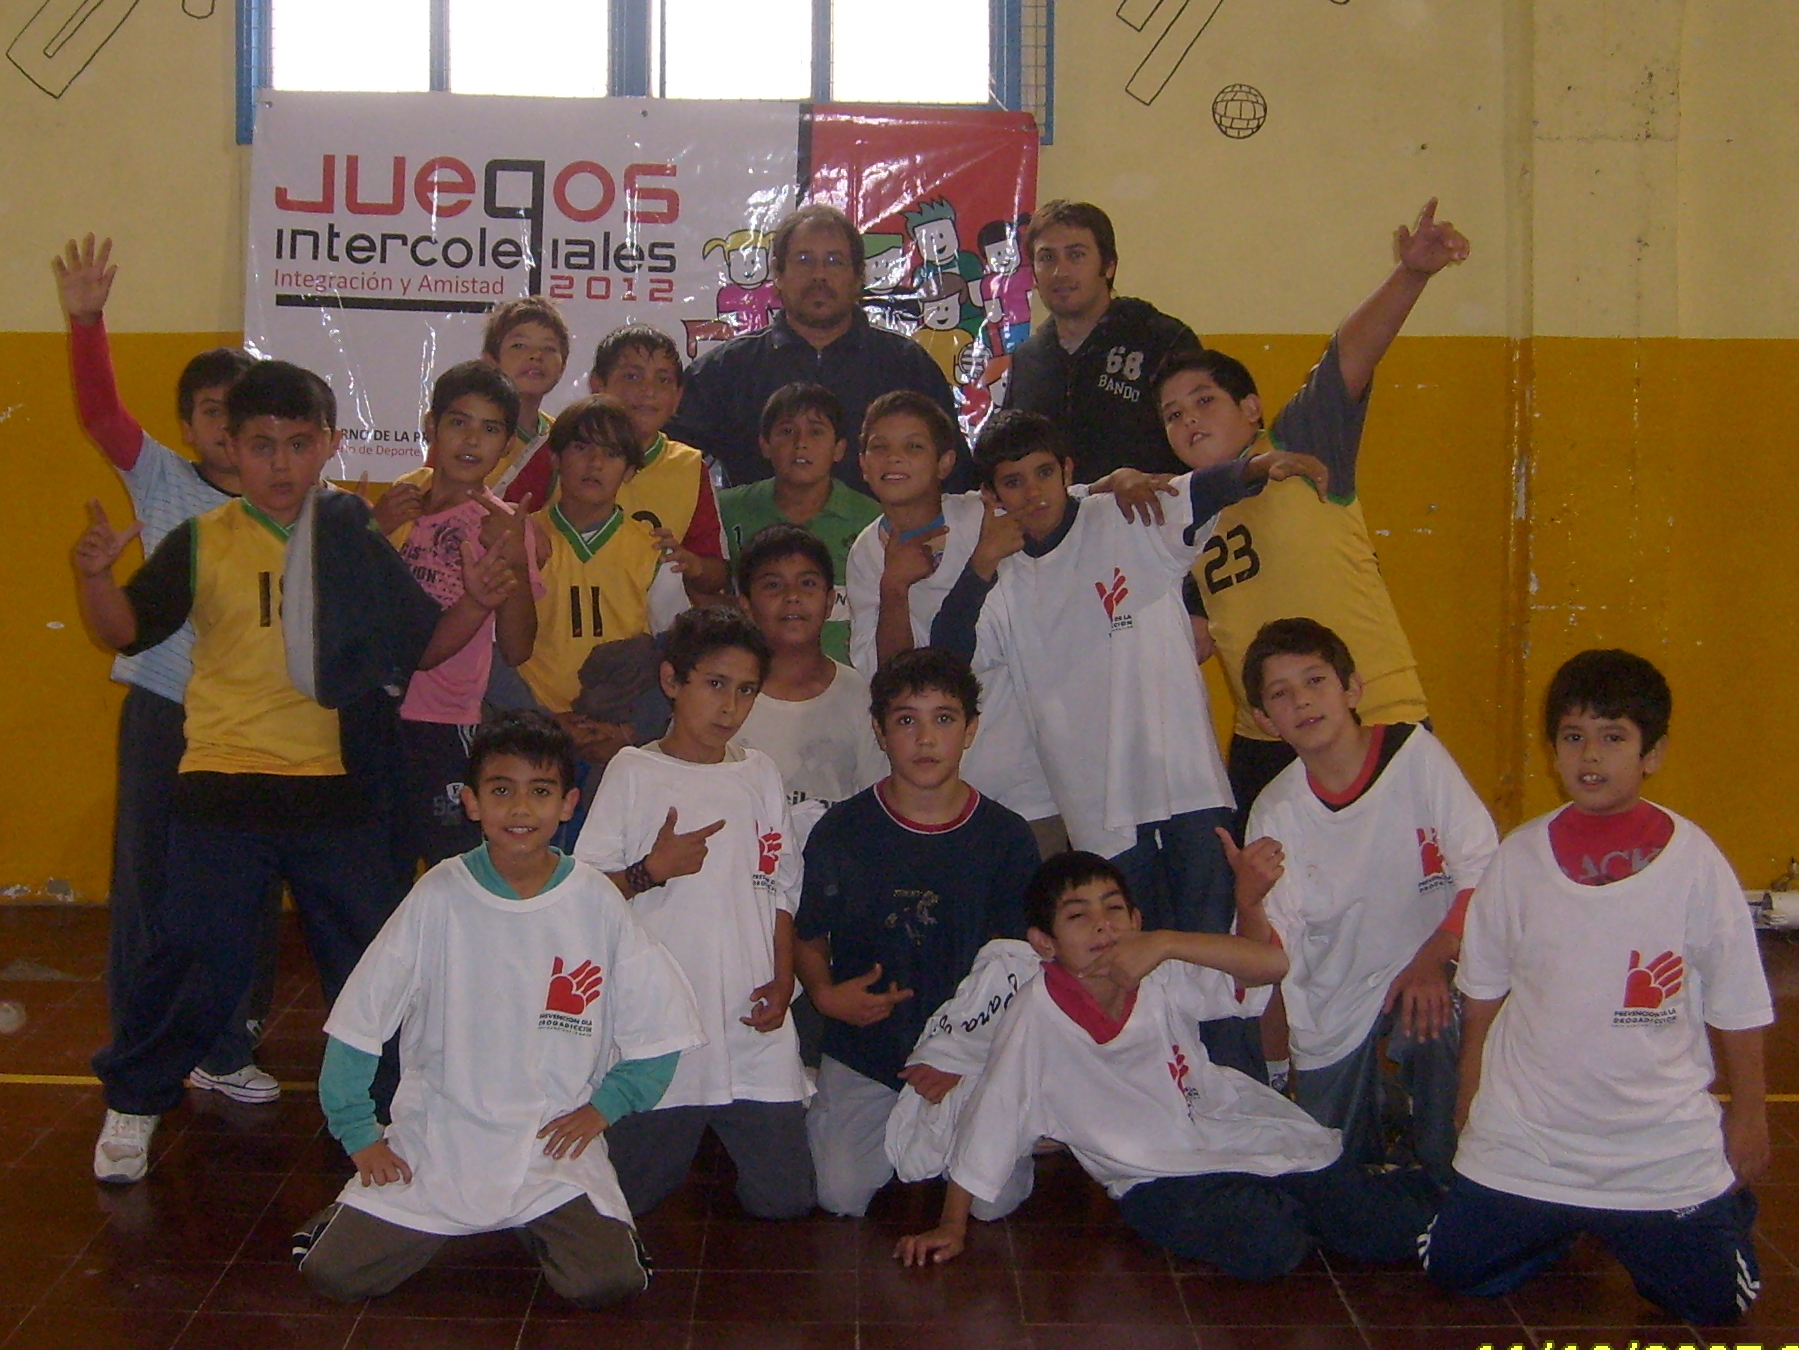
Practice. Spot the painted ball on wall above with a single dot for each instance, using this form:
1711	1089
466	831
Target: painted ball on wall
1239	111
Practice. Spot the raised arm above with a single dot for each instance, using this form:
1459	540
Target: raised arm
1422	251
84	277
106	608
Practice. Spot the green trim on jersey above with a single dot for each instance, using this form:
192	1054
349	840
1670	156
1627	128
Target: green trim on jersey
654	453
275	527
579	542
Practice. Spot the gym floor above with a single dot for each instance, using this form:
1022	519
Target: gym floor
197	1255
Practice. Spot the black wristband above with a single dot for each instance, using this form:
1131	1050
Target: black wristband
638	878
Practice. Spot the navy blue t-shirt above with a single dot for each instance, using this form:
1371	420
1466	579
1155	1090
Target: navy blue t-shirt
919	899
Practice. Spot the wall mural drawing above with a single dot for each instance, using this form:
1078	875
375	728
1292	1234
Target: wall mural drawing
59	41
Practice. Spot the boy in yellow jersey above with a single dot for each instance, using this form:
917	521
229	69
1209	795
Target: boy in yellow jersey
640	368
1287	553
596	563
262	794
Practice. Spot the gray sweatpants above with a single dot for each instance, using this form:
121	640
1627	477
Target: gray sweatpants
586	1257
652	1150
1349	1095
847	1127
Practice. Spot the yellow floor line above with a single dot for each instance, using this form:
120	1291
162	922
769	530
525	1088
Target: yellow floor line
86	1080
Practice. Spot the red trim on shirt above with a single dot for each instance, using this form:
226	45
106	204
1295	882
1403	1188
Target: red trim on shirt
919	826
1072	997
1594	850
1377	734
705	533
103	416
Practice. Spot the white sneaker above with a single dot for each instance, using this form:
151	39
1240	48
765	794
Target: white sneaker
122	1153
249	1084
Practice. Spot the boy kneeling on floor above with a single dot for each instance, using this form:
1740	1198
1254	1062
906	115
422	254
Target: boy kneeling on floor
533	1013
1100	1052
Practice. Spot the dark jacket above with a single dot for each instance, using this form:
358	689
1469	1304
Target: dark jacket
1099	395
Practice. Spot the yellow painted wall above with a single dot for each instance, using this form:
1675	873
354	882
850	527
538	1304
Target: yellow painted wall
1575	444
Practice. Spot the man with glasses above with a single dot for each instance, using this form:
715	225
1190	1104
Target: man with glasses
820	336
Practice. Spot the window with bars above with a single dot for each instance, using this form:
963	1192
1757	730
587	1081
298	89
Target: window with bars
995	53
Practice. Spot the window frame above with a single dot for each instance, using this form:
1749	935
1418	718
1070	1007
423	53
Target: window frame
630	51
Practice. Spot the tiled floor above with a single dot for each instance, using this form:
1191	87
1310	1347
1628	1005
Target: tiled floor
197	1255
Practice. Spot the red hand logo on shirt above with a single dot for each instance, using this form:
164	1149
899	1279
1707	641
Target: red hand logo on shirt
571	993
1649	986
1430	854
1178	1069
769	846
1114	596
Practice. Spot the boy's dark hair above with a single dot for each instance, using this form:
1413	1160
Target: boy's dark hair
790	400
480	378
1075	216
698	632
1227	372
531	309
816	213
1293	637
648	340
919	669
596	420
1060	874
997	231
772	543
1613	684
921	406
534	737
215	369
280	389
1010	435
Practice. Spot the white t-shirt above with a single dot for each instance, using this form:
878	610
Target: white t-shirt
958	1039
510	1012
1146	1104
824	746
1003	762
1593	1081
1100	649
719	923
1366	886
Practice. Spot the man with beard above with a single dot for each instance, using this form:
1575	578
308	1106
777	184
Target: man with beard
820	336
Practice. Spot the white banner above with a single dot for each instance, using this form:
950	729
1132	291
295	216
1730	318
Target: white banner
383	227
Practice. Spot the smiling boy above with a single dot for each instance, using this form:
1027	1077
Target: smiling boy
1607	947
639	367
262	794
721	898
1376	842
904	883
1098	1052
802	439
516	1068
473	411
1289	551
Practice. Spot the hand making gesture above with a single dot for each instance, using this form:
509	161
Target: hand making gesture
1431	244
100	544
1001	537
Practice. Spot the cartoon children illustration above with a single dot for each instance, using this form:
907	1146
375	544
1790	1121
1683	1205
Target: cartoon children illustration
1005	290
943	334
886	297
933	230
747	300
